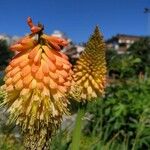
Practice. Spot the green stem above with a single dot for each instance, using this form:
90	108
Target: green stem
78	129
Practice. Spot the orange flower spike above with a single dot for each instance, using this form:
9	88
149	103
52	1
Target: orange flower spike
36	81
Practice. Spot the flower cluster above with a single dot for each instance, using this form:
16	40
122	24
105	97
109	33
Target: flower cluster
36	81
90	70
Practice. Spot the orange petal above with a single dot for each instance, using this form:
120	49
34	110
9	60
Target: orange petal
55	45
63	73
18	59
8	68
49	53
8	75
8	81
35	29
16	77
40	85
28	42
37	58
14	71
58	64
25	71
61	59
15	62
35	68
61	80
27	80
17	47
53	75
39	75
54	41
66	67
29	21
33	53
24	63
19	85
51	65
46	80
45	67
53	84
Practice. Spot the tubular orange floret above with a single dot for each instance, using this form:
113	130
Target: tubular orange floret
17	47
55	42
29	21
36	82
24	43
33	28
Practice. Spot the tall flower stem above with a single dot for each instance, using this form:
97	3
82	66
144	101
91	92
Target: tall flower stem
78	128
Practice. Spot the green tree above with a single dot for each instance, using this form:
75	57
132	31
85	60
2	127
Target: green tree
141	50
5	54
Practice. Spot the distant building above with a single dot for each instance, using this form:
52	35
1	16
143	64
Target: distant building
121	42
73	51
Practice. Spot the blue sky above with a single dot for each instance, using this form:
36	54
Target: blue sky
77	18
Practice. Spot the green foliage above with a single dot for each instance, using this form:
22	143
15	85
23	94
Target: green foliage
123	66
9	142
134	62
5	53
141	50
121	118
77	130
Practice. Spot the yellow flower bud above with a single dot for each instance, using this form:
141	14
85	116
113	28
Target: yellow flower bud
90	70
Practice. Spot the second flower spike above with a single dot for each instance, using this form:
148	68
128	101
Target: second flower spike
90	70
